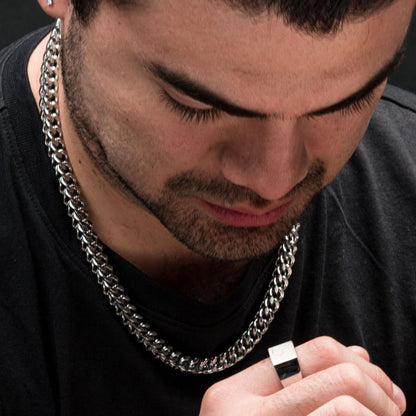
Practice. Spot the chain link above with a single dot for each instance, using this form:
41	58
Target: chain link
103	271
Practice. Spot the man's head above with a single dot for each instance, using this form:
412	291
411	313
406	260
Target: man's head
220	118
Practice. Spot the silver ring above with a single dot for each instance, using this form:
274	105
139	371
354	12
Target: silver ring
285	361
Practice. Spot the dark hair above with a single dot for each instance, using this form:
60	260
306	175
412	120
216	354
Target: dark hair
313	16
85	9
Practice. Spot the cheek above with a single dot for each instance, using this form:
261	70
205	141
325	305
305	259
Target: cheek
166	141
136	126
147	147
139	131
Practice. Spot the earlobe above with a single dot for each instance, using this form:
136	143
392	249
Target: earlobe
55	8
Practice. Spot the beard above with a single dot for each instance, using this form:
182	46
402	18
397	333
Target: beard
174	205
211	238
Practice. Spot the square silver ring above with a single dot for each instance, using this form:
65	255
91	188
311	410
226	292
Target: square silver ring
285	361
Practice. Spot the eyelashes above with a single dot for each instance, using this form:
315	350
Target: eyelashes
356	107
359	105
191	114
198	116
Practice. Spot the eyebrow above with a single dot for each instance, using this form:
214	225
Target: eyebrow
183	83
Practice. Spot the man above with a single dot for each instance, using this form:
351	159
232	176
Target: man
200	133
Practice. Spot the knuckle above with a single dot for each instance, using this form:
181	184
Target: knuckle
361	351
381	378
327	348
396	411
352	377
346	406
392	409
215	394
277	403
270	406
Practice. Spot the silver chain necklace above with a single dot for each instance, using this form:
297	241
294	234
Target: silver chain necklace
103	271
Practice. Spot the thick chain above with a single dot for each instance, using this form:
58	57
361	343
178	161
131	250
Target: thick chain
109	282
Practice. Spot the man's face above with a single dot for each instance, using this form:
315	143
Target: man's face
229	178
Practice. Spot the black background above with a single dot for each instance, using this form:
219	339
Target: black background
18	17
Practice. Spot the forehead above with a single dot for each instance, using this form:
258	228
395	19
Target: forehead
258	57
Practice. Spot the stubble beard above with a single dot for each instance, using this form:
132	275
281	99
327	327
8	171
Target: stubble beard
175	207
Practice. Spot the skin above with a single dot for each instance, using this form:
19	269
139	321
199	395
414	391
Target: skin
125	130
338	380
116	126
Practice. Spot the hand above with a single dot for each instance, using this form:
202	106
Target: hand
338	380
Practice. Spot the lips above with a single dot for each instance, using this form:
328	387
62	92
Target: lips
244	217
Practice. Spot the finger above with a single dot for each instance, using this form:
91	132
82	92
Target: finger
362	352
343	405
305	396
314	356
259	379
325	352
399	398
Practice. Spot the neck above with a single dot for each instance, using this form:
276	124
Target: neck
206	283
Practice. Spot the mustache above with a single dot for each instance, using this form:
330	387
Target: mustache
191	183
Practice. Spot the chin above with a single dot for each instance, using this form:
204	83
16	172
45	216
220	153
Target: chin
211	239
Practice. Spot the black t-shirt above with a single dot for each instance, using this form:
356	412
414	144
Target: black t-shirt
63	351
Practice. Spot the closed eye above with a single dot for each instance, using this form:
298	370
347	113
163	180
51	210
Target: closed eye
198	115
345	109
191	114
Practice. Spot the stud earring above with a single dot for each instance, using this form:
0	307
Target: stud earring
49	2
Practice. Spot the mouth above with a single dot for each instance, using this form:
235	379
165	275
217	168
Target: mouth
245	217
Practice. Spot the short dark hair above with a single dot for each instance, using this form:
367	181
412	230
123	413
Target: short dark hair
313	16
85	9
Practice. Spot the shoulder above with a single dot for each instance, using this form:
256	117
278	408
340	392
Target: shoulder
384	165
399	98
395	117
375	193
19	51
391	135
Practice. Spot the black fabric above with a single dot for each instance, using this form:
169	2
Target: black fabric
64	352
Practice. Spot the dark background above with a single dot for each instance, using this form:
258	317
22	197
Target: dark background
18	17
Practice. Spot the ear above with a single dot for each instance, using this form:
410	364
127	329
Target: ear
57	9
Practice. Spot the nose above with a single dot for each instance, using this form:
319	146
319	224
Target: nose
267	156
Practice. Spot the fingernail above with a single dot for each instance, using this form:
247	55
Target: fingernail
399	398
